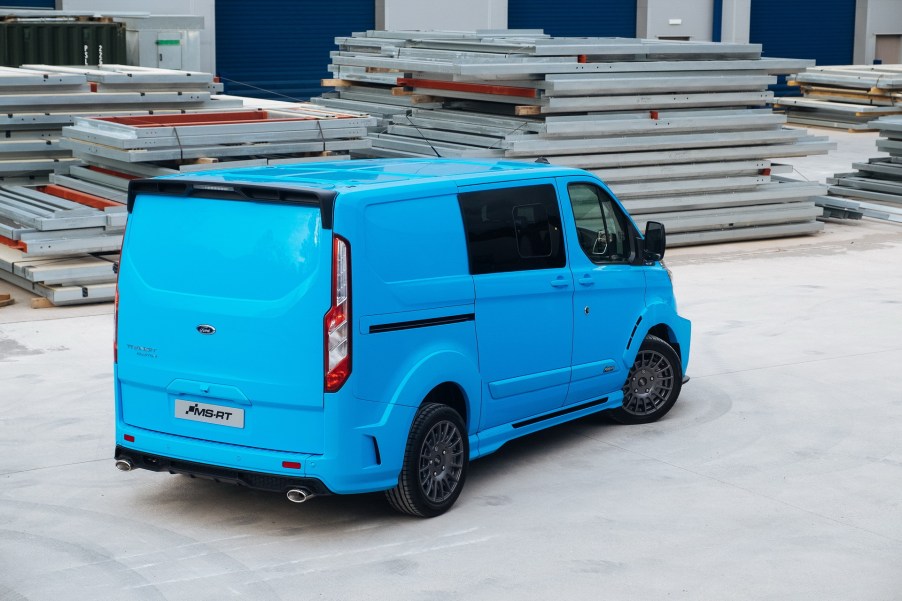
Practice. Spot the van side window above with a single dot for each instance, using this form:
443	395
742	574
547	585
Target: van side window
513	229
602	229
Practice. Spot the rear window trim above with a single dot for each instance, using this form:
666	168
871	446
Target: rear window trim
200	188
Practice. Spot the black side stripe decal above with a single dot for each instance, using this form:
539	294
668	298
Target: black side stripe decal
573	409
421	323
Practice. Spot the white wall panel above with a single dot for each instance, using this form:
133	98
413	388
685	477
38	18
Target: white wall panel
441	14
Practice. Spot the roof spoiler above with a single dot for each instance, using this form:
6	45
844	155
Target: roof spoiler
324	199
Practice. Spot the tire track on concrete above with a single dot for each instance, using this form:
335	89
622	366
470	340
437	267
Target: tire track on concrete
747	490
101	558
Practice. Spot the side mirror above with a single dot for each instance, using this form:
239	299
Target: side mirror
655	241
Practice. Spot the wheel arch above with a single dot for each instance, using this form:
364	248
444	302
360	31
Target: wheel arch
666	333
452	395
661	320
445	377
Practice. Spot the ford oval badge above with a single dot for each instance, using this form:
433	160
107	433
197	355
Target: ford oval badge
206	329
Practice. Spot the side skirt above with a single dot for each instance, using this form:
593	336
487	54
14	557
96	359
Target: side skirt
491	440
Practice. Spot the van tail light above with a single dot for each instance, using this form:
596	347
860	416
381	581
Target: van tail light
337	323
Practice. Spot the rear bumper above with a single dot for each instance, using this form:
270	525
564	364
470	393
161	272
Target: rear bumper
249	479
365	443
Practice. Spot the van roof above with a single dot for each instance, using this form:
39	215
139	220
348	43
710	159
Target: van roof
343	176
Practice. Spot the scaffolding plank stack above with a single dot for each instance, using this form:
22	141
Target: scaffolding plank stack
844	97
875	188
681	131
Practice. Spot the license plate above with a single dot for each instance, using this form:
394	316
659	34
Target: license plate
211	414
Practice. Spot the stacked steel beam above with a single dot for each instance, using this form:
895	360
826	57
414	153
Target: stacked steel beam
844	97
680	130
875	189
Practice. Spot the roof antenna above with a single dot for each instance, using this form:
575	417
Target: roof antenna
542	160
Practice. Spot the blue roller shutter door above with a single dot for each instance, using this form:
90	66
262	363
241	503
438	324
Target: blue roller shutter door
28	4
823	30
820	29
280	50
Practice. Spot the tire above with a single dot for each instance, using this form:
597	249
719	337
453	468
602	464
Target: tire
653	384
435	463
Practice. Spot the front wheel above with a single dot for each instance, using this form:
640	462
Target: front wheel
653	384
435	463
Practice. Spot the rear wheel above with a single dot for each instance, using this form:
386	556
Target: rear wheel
435	463
653	384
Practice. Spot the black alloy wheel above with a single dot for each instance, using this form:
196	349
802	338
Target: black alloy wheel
653	384
435	463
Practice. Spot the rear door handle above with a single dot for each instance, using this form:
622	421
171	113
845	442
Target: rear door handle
586	280
560	283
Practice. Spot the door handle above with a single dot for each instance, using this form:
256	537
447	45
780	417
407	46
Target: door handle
560	283
586	280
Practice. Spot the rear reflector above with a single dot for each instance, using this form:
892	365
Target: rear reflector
292	465
129	438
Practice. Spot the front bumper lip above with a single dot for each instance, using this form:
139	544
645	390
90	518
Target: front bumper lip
255	480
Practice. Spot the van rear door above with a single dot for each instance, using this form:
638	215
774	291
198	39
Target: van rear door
221	305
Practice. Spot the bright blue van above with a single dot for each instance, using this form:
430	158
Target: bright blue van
365	326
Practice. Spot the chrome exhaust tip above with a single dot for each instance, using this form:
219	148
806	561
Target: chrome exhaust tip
124	465
299	495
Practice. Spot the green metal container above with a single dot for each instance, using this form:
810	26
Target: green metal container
61	43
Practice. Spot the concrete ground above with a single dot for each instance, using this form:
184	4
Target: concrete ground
776	476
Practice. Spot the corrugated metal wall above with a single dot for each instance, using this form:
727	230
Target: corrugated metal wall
820	29
282	48
575	17
66	43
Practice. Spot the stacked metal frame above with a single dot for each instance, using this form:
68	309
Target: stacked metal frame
844	97
37	101
60	244
875	188
61	240
179	140
681	131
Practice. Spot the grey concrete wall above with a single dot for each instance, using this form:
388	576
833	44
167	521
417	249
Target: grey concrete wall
666	18
873	18
441	14
203	8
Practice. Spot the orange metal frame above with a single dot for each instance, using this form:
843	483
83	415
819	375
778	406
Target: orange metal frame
83	198
478	88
